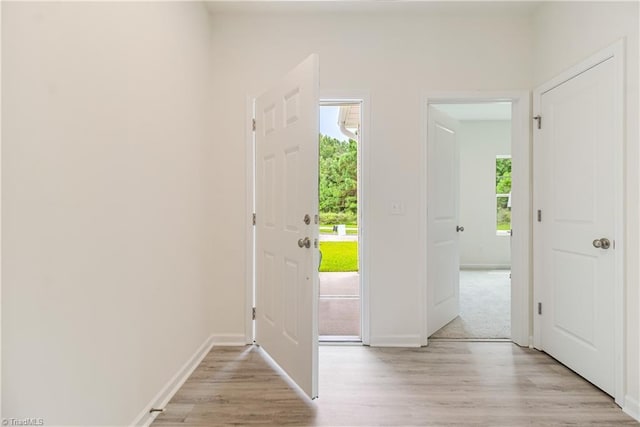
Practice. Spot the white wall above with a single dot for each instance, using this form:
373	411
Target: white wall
393	52
105	274
565	34
480	143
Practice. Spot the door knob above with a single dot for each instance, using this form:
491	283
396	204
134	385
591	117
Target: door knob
459	228
304	243
603	243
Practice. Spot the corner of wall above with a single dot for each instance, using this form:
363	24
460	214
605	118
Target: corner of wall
229	339
631	407
165	394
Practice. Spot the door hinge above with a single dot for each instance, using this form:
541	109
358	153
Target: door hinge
539	120
253	125
254	219
539	215
539	308
253	314
316	219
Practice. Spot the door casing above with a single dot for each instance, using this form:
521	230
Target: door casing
521	330
616	53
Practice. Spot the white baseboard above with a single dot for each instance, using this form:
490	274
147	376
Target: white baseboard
173	385
631	407
229	339
395	341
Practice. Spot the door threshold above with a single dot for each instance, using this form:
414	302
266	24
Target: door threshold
339	340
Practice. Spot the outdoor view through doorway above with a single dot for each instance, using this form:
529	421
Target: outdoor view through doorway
340	302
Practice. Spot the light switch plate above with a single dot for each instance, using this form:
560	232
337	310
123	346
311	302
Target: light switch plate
397	208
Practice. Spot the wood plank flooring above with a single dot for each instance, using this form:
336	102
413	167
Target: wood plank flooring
447	383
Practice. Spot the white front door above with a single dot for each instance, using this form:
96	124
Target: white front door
576	168
443	247
286	139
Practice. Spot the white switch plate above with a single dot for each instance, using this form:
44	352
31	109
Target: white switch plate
397	208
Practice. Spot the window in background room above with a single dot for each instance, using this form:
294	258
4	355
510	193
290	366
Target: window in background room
503	195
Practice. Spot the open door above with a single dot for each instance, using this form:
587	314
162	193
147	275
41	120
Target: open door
443	248
286	141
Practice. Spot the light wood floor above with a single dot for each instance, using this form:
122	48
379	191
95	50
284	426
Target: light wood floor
447	383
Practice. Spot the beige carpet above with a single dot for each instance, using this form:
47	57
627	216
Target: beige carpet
485	306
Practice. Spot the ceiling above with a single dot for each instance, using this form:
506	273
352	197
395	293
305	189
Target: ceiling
484	111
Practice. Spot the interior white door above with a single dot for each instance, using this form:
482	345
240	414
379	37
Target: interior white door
576	169
286	140
443	247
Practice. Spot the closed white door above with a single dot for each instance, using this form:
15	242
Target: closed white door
286	139
443	243
575	174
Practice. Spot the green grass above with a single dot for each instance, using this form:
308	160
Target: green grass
339	256
504	226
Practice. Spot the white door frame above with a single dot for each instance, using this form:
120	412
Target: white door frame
250	266
363	202
520	214
616	53
361	97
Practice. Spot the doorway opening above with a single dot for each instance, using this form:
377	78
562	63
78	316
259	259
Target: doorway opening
340	305
482	188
